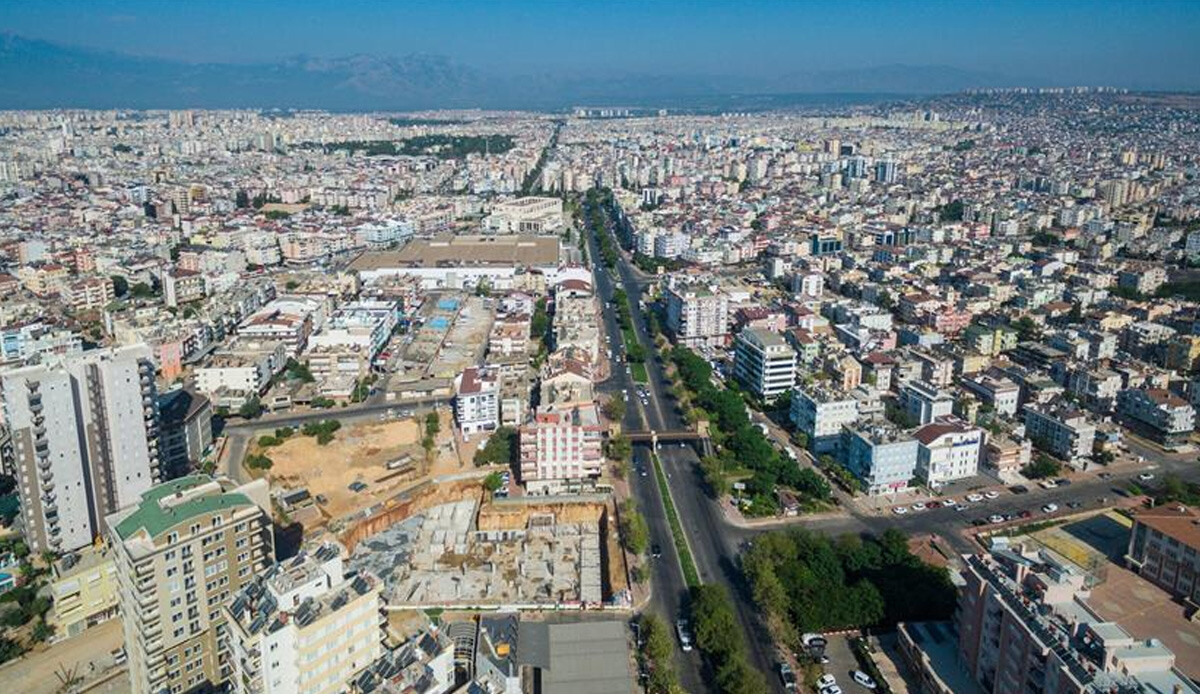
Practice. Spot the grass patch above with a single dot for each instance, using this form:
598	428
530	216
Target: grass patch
639	372
690	575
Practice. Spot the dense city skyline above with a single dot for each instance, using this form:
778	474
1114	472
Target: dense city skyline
621	348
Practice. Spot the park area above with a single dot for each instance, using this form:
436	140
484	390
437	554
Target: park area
376	458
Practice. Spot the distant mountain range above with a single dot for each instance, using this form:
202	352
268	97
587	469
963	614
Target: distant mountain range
40	74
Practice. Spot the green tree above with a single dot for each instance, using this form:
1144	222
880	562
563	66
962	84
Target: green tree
614	409
120	286
433	424
501	448
493	482
251	409
635	533
258	461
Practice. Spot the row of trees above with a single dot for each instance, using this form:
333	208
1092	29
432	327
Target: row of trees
719	637
807	582
743	446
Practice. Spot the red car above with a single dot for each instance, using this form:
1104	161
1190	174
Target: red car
1024	514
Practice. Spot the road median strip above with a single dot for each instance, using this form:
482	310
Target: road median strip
690	575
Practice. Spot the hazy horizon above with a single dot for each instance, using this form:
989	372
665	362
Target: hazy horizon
1143	46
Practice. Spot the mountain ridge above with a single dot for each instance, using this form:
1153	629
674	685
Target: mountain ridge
35	73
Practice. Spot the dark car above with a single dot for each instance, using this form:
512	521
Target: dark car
655	551
1063	482
979	521
1074	504
1024	514
1018	489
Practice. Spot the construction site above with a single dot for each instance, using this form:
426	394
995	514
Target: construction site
513	555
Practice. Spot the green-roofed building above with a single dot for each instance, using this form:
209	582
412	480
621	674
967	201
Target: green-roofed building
181	552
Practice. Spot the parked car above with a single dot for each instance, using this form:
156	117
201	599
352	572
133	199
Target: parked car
1019	489
1146	476
1049	508
900	510
826	680
995	518
974	498
863	679
992	494
787	676
918	506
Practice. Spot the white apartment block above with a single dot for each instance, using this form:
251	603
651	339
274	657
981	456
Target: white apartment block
85	441
1161	414
820	414
1001	394
182	552
925	402
241	371
697	317
948	449
1060	430
764	363
561	448
531	215
476	401
304	626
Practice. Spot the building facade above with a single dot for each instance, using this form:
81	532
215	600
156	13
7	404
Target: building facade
182	551
85	441
304	626
764	363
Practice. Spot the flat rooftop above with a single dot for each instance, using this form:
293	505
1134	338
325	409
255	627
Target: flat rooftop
451	251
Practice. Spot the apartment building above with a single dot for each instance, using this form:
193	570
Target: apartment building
561	449
948	449
1157	413
1060	430
1024	625
1164	548
87	294
764	363
304	626
182	552
1003	457
182	287
241	371
529	215
187	433
476	401
84	590
881	455
85	441
924	402
820	414
997	392
697	317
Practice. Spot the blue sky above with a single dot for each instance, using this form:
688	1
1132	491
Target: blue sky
1140	43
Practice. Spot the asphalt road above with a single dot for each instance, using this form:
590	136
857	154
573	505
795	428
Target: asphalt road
669	591
714	548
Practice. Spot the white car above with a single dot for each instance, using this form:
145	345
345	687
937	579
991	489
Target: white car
995	518
949	502
1049	508
1146	476
919	506
826	681
974	498
993	494
831	689
900	510
1048	484
863	679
